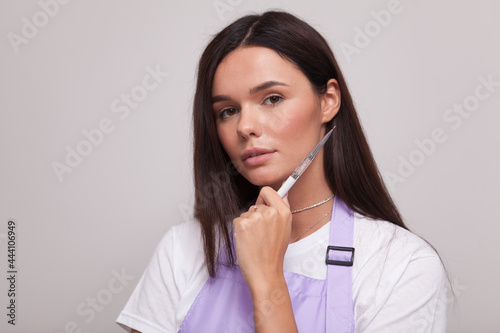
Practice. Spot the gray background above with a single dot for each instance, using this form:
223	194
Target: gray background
106	216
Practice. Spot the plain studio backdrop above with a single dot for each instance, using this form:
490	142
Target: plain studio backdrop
95	140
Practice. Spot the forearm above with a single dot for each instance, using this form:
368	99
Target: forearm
272	307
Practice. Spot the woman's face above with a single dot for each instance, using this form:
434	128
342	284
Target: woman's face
268	116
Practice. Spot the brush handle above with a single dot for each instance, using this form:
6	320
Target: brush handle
287	185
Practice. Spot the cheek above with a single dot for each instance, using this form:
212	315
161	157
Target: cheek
296	120
227	140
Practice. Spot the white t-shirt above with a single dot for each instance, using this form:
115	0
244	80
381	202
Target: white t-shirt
399	283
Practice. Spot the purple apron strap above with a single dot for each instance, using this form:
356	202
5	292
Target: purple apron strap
339	258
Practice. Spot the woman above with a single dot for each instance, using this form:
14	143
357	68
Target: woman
268	90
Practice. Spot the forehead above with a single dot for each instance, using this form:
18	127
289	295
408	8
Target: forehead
249	66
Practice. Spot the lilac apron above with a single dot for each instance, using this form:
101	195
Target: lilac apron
224	304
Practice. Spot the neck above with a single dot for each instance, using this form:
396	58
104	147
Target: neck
311	188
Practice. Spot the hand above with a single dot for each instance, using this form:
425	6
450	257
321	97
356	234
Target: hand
261	239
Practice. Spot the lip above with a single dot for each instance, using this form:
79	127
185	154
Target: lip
261	155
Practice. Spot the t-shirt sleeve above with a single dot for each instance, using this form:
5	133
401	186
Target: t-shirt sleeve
417	302
407	291
151	307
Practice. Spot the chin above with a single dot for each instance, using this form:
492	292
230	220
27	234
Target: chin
266	181
266	176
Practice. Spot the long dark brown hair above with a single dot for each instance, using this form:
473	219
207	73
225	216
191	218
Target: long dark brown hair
221	193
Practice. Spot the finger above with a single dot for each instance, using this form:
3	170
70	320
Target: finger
251	210
269	197
254	208
285	200
261	199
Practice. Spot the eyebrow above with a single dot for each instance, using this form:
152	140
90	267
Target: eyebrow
254	90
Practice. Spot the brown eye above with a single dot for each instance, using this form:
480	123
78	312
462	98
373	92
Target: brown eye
273	100
226	113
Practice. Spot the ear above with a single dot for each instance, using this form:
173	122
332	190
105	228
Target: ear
330	101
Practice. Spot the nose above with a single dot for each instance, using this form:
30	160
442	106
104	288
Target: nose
249	123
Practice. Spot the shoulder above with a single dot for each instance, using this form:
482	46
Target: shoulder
396	269
187	230
389	254
377	235
182	247
173	278
381	244
185	238
181	238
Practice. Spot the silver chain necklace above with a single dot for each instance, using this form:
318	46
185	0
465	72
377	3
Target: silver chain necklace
315	224
315	205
